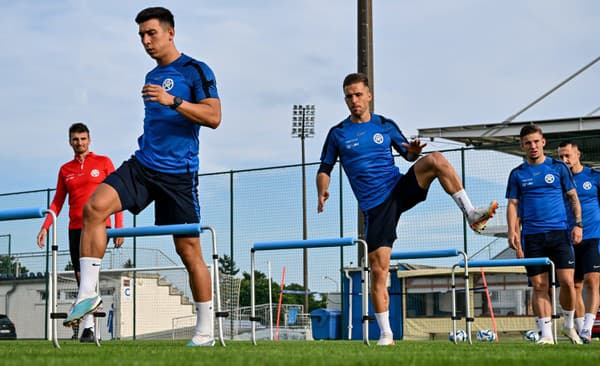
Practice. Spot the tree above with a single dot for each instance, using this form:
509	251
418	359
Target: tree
128	263
227	266
8	265
69	266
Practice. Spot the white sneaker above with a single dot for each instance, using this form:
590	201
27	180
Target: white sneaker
386	340
480	216
545	340
571	333
586	336
201	341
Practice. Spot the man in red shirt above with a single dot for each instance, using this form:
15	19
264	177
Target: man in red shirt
79	178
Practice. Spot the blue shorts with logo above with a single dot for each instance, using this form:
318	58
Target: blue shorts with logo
175	196
554	245
382	220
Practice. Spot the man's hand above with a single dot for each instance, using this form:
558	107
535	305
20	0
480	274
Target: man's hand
118	242
41	237
576	235
514	241
322	198
155	93
415	146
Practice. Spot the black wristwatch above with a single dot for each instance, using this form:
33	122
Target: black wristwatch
176	102
579	224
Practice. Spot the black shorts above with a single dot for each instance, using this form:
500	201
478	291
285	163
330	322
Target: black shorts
587	257
554	245
175	196
381	221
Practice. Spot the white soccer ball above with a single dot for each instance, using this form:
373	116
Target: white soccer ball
486	335
461	336
532	336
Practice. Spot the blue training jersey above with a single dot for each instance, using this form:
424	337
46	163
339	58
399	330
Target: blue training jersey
540	190
587	183
170	142
365	153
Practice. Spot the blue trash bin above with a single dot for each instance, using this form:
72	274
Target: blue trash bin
326	324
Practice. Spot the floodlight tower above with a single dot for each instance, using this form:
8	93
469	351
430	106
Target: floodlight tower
303	126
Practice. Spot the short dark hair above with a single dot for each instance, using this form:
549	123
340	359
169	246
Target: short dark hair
356	78
568	142
78	127
529	129
163	15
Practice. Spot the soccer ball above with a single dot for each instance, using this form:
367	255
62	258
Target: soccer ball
532	336
461	336
486	335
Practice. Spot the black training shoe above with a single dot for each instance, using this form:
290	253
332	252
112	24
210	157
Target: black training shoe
87	336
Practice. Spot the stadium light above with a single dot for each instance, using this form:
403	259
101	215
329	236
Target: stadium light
9	261
303	126
337	285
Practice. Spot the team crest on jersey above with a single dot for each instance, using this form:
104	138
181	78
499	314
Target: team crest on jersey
587	185
378	138
95	173
168	84
549	178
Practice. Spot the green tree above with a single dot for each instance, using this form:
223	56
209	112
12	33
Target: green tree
8	265
69	266
128	263
298	298
227	266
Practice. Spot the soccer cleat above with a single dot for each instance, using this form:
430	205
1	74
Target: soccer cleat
545	340
201	341
571	333
585	336
87	336
480	216
81	309
386	340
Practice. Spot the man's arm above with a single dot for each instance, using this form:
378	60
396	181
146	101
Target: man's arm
575	206
323	180
56	206
514	227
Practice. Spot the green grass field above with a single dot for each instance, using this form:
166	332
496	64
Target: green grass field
301	353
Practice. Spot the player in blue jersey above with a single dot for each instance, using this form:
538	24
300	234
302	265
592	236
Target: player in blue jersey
587	255
535	193
363	142
180	95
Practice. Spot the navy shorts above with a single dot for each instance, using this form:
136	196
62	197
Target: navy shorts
381	221
175	196
587	257
554	245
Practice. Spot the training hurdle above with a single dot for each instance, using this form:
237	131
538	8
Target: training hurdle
182	229
543	261
443	253
36	213
312	243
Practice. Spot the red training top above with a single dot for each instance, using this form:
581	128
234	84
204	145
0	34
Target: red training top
79	178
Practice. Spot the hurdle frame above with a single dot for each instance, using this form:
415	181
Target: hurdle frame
541	261
306	244
177	229
24	213
444	253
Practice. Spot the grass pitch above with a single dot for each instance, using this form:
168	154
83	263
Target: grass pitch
300	353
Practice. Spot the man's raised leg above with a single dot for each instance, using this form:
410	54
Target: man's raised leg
104	202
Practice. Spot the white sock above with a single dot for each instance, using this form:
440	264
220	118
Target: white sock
588	321
463	202
568	322
88	322
383	320
204	319
578	324
546	324
539	324
90	268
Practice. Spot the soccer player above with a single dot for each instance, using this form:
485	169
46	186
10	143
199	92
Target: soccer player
535	193
363	142
79	178
587	257
180	95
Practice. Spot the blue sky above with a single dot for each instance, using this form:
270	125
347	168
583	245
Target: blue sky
437	63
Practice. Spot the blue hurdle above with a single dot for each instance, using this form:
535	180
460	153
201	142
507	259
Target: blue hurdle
543	261
37	213
182	229
312	243
442	253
